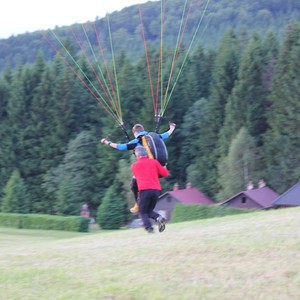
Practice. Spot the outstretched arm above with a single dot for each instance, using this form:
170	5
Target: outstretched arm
166	134
109	143
128	146
172	127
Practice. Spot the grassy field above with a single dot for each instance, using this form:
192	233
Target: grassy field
249	256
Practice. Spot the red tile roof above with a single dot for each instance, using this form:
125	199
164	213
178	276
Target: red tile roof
189	196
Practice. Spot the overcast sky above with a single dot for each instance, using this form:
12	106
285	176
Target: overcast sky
20	16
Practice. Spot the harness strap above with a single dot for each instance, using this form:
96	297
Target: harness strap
145	144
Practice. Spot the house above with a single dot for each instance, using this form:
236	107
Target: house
290	198
189	195
253	198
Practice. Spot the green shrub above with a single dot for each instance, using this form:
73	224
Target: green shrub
183	213
44	222
10	220
111	213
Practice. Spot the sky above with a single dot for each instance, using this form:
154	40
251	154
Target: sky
20	16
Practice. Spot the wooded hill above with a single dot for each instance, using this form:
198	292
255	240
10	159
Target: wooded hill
242	15
236	107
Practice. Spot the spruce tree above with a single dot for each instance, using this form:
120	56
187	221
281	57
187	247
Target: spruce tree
282	139
77	175
224	75
51	181
15	199
16	123
239	166
134	90
270	48
87	107
246	105
111	212
123	179
199	70
193	132
5	143
36	131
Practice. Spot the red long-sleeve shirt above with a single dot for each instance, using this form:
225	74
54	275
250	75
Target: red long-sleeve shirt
147	172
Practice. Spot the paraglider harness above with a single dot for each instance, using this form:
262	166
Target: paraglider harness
155	147
153	143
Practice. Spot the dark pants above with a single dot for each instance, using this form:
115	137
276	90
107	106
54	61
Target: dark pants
134	189
147	202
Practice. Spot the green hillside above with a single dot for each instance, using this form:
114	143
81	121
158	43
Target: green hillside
126	26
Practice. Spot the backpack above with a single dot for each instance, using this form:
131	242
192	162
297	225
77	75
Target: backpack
156	147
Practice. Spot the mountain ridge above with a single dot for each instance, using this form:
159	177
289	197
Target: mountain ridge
126	27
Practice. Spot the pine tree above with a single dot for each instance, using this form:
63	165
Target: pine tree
5	143
282	139
246	106
15	199
64	111
182	94
240	166
111	213
87	108
134	90
199	70
123	178
51	181
193	133
77	176
270	48
224	75
16	123
35	131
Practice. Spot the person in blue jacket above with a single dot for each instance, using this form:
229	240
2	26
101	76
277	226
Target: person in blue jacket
138	131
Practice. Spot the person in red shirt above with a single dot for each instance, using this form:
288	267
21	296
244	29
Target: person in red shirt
147	172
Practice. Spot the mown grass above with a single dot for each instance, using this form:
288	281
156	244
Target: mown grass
251	256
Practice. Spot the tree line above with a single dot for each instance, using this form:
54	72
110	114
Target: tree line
236	108
255	15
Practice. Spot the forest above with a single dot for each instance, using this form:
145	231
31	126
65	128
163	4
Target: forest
255	15
236	106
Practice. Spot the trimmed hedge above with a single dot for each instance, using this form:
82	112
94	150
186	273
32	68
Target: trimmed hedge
44	222
183	213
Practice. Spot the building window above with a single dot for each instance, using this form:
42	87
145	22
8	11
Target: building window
169	199
244	199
